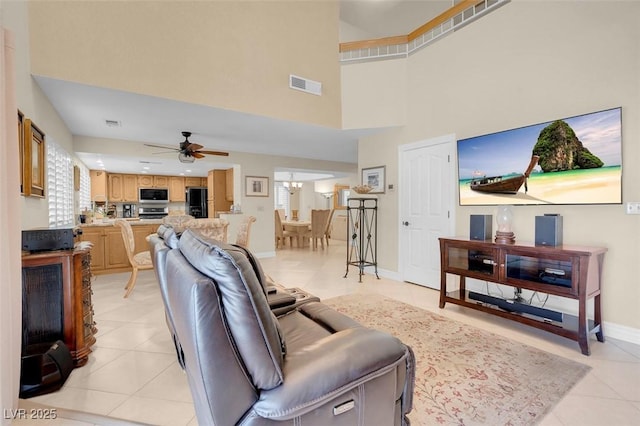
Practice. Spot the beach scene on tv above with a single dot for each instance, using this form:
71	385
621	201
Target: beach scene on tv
575	160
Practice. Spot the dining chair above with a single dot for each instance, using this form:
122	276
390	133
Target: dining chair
244	231
327	229
282	214
318	226
281	234
139	261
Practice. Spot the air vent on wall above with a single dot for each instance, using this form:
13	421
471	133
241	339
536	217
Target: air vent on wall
305	85
112	123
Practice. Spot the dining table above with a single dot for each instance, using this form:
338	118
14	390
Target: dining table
301	230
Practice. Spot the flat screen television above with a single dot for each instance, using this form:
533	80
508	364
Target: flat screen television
575	160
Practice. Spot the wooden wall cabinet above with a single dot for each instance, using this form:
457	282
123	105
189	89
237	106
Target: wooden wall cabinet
572	272
130	188
153	181
98	185
161	181
115	188
194	181
57	301
145	181
228	195
176	189
122	188
217	192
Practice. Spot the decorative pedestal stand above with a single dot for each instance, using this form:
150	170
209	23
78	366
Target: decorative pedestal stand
362	228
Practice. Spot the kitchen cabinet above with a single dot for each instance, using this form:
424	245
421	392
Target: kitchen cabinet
145	181
176	189
151	181
130	188
115	188
220	199
98	185
108	254
195	181
161	181
228	194
122	188
216	196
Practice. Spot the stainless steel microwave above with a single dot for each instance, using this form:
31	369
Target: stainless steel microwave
154	195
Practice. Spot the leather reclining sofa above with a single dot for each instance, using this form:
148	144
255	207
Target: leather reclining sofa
249	362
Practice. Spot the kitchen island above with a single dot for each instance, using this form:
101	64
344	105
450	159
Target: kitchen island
108	254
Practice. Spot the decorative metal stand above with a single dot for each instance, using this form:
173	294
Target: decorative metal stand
362	228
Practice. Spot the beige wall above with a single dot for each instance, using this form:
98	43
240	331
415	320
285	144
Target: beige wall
34	105
231	55
525	63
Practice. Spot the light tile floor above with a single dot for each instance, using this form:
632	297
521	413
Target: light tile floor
132	373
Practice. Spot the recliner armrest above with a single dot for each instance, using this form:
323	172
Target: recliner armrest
280	299
328	368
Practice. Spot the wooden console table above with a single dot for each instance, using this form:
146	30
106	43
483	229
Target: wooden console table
573	272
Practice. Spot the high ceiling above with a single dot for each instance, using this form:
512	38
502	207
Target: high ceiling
144	119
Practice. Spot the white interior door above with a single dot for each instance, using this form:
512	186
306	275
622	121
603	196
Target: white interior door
427	194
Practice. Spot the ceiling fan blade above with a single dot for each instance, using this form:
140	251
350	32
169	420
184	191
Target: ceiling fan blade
194	146
197	154
161	146
224	154
165	152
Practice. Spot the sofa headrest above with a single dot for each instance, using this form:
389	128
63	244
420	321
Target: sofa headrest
169	235
252	324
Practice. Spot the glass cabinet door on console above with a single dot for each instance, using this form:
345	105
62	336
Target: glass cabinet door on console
551	275
480	263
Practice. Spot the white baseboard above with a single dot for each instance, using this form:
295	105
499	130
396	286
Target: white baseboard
621	332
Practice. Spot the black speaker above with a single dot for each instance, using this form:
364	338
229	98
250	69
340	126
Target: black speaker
480	227
549	230
44	369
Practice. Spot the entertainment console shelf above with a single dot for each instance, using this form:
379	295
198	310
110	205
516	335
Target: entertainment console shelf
573	272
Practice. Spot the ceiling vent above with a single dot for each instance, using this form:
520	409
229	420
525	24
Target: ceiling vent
112	123
305	85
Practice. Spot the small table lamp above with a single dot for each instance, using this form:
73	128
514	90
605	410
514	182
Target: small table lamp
504	218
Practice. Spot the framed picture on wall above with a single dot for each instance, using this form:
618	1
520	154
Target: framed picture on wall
21	148
33	160
257	186
374	177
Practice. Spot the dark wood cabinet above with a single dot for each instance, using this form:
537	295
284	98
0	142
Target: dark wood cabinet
573	272
56	301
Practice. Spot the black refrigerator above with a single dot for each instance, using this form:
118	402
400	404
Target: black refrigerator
196	204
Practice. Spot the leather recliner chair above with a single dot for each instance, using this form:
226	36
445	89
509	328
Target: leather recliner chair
311	366
280	299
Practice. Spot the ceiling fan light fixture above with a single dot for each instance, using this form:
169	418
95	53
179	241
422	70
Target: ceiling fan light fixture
184	158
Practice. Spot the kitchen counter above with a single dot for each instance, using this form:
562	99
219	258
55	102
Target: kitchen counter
134	221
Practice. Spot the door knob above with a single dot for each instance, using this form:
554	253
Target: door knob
405	223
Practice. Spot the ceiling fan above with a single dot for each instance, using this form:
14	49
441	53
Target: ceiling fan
188	152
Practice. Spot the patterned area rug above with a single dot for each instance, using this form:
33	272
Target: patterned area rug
464	375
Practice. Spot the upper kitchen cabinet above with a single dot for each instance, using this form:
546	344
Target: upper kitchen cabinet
176	188
122	188
229	185
98	185
195	181
150	181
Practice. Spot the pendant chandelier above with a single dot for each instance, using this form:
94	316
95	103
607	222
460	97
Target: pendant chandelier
292	186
